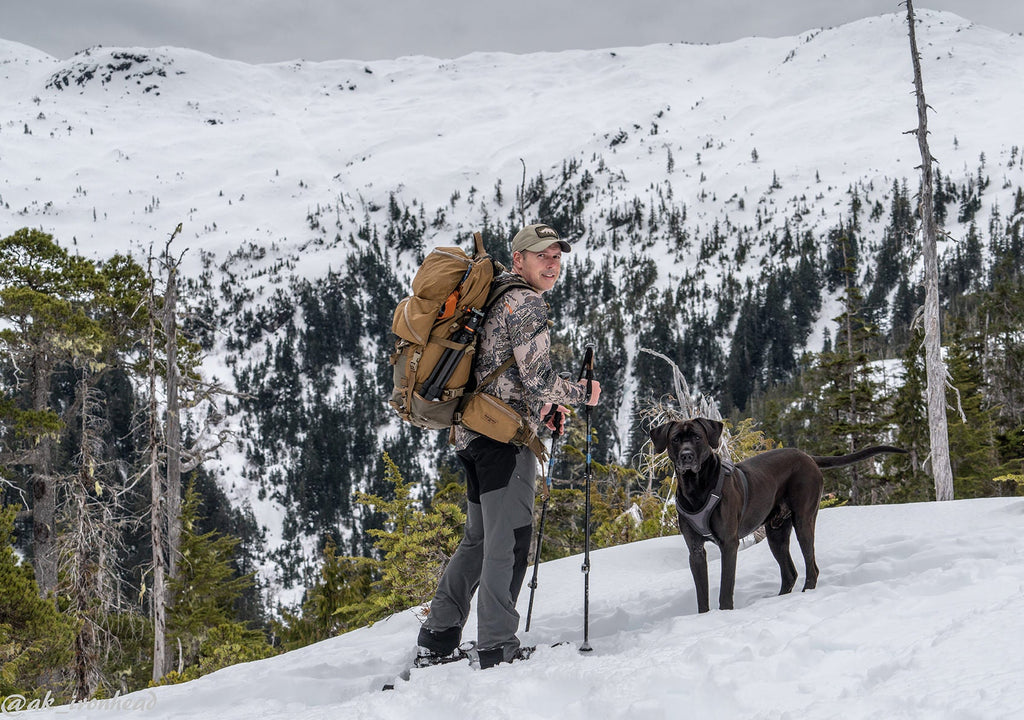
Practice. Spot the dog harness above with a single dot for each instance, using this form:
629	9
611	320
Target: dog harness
701	520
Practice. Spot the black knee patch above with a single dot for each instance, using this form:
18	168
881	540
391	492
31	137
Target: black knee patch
521	552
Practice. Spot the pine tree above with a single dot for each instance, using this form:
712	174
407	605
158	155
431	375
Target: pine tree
910	418
1002	308
893	259
971	437
201	623
851	406
41	285
67	314
843	249
746	354
414	547
35	638
71	323
339	601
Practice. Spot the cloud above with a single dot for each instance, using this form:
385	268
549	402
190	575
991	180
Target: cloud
276	30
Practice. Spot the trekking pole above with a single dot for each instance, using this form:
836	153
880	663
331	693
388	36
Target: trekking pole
587	371
556	416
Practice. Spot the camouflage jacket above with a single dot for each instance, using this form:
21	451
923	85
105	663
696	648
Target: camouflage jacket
517	324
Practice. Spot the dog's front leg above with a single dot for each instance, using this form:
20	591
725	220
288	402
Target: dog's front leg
729	550
699	570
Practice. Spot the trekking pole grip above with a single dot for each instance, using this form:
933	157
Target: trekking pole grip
587	370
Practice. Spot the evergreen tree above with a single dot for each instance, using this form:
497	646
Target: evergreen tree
789	412
201	623
971	437
961	272
910	418
851	407
843	247
63	314
907	299
414	547
746	354
893	259
35	639
1001	309
40	289
339	601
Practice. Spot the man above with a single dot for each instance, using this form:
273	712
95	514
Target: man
501	477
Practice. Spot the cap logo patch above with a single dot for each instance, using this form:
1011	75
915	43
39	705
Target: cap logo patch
543	231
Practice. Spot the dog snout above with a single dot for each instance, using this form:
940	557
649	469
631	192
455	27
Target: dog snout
686	457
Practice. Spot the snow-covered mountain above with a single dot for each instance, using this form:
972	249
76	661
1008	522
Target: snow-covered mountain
675	168
113	147
916	615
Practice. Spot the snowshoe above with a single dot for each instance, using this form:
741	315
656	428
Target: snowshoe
425	657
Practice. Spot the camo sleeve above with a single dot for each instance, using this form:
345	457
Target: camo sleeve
527	323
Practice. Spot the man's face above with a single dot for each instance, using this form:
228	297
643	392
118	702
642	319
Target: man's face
540	269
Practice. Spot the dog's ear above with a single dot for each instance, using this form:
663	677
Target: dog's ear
713	429
659	436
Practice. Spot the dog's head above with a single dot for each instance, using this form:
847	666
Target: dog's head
689	442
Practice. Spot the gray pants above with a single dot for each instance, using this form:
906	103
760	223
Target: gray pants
500	487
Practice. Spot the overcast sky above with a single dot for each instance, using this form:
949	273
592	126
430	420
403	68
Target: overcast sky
260	31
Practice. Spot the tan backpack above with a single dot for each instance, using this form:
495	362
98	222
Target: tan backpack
436	333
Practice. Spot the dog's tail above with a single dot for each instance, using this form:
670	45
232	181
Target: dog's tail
833	461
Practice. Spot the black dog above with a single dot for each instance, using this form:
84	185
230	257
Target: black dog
722	502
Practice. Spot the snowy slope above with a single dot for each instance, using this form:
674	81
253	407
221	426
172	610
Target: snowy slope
147	138
917	615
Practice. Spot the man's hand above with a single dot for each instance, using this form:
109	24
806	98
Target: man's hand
595	391
554	417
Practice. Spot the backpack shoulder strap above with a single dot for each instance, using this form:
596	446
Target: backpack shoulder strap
502	286
499	288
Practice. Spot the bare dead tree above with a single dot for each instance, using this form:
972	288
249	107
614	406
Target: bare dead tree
169	458
689	407
685	407
157	511
93	518
173	416
935	368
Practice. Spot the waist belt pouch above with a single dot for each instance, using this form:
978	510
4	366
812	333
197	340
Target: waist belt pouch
492	417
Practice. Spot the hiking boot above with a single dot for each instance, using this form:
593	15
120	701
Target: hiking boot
440	643
493	656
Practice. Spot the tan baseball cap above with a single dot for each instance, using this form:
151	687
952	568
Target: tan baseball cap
537	237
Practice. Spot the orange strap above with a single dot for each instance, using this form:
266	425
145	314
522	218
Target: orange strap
448	309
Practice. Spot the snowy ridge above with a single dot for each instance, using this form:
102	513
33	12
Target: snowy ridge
224	144
916	615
